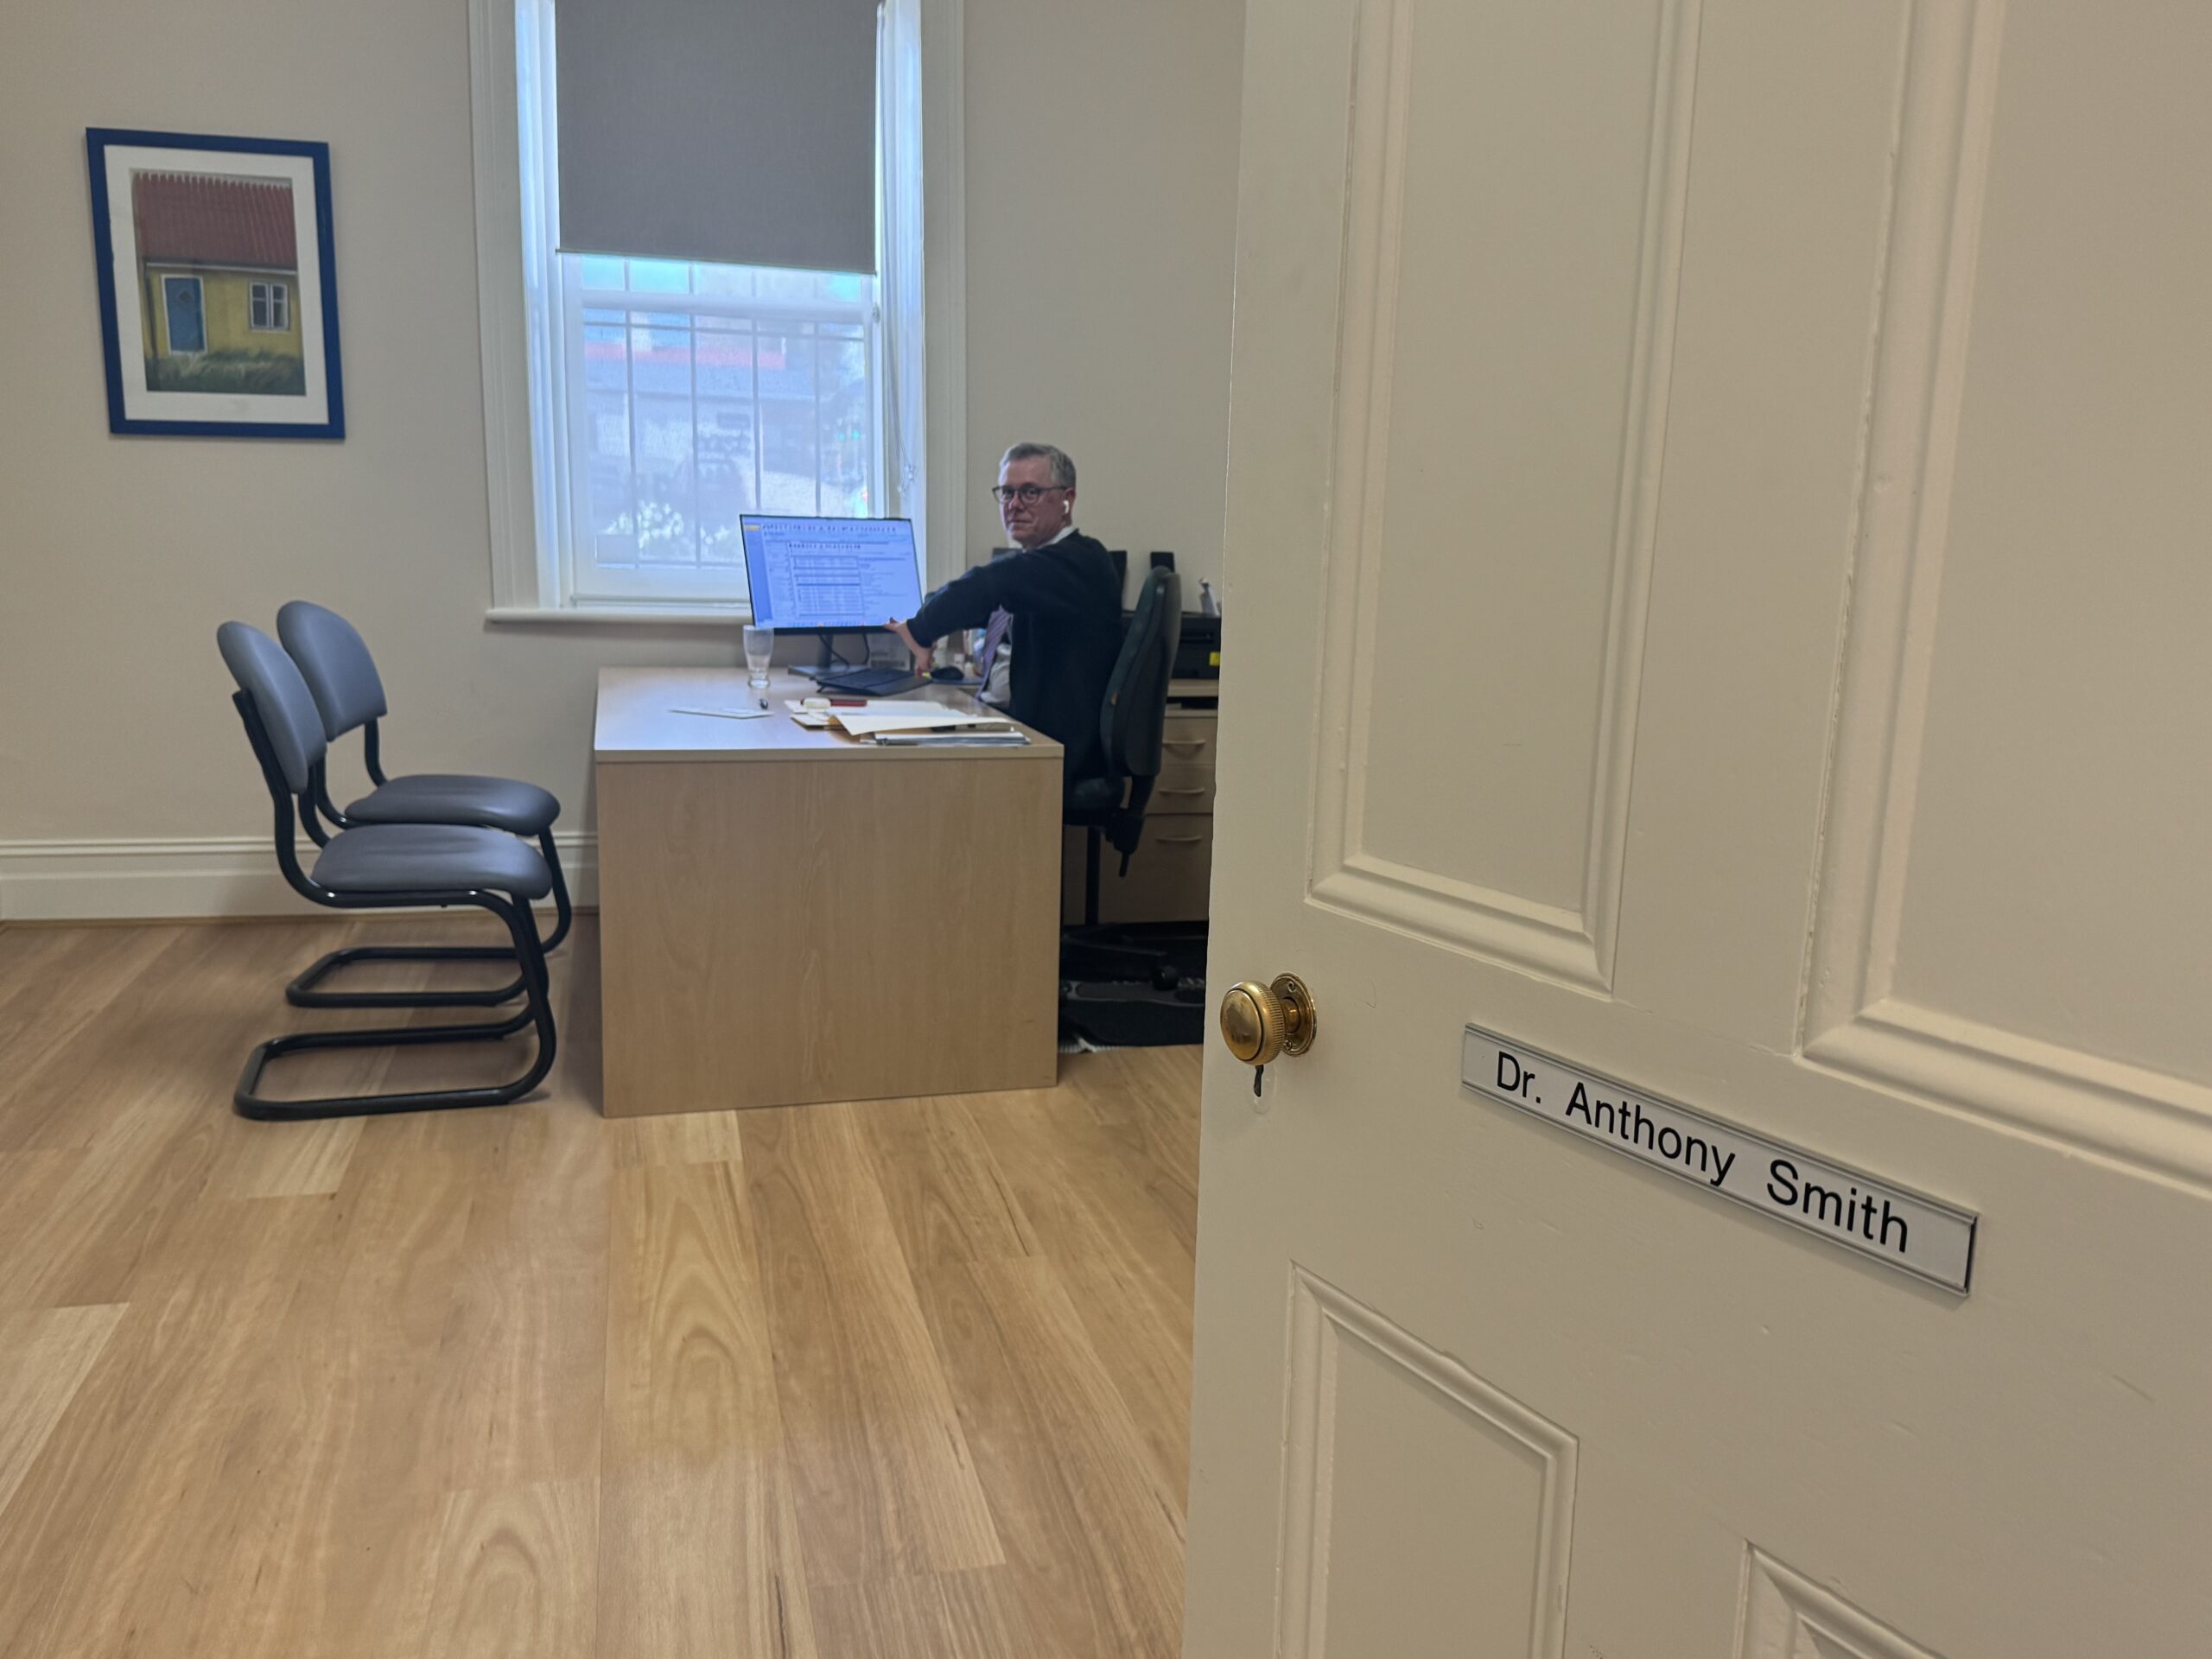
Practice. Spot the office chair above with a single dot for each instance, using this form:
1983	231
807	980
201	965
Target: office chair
1130	724
1114	989
348	693
380	867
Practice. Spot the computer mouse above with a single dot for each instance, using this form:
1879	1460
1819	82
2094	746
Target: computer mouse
947	672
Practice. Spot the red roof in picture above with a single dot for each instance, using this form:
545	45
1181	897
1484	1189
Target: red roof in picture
205	218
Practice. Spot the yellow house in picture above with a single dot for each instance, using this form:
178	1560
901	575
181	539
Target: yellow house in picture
219	286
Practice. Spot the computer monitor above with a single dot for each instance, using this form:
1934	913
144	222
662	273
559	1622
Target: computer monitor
819	575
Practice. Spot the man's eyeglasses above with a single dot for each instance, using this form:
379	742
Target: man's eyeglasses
1028	495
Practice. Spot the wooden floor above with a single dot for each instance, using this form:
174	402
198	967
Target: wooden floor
901	1379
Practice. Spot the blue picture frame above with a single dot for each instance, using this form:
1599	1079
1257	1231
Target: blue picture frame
224	246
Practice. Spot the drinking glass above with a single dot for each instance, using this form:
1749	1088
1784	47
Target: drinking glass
759	646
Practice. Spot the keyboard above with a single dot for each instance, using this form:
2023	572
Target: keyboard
869	682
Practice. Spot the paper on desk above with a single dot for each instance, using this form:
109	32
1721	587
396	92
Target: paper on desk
987	737
917	716
865	705
725	713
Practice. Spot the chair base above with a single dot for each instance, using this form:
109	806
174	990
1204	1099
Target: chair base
1099	954
1141	985
1122	1013
303	992
250	1103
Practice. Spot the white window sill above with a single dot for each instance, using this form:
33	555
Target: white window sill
650	616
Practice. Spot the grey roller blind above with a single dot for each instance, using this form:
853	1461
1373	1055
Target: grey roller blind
737	130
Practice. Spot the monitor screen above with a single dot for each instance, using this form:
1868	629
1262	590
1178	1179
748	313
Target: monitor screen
830	572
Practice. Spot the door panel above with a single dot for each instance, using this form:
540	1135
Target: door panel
1490	316
2008	919
1463	1367
1505	293
2068	687
1426	1513
1436	1514
1783	271
1786	1615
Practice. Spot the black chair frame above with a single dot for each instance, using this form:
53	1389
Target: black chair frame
1122	825
304	991
1130	728
512	912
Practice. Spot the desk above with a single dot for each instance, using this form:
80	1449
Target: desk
786	916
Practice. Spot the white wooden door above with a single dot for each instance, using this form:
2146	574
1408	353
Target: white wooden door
1718	587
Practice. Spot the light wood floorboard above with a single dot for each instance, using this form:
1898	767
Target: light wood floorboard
885	1379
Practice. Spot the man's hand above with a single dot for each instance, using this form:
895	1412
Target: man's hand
922	653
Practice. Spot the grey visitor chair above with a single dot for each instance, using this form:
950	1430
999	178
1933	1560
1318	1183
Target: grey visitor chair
380	867
348	694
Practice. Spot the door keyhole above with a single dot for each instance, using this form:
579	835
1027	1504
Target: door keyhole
1261	1021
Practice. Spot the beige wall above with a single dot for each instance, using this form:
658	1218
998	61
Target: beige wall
1102	219
1099	283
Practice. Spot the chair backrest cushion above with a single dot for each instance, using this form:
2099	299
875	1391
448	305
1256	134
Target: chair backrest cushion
1135	712
281	697
335	662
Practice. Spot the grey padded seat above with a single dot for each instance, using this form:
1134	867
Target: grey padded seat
505	803
415	857
348	693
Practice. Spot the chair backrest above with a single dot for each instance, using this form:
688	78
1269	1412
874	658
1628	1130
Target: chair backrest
335	662
281	703
1132	720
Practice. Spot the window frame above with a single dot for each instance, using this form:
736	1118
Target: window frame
925	412
275	296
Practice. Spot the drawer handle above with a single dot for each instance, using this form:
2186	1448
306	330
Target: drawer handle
1177	840
1200	790
1180	744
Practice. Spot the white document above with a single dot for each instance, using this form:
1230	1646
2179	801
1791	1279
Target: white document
911	716
970	737
725	713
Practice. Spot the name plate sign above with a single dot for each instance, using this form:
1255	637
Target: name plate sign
1908	1230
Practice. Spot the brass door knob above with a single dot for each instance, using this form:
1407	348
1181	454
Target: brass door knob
1261	1021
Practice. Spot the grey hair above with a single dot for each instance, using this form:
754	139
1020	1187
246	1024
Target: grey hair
1063	468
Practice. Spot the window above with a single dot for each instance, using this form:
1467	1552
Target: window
668	398
269	308
698	392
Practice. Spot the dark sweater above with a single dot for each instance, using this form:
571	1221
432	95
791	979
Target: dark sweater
1066	606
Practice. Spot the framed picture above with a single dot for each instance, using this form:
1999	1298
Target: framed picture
219	290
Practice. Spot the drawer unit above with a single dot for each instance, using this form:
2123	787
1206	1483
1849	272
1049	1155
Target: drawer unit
1182	786
1168	876
1189	739
1173	867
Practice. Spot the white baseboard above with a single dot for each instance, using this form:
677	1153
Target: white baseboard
219	875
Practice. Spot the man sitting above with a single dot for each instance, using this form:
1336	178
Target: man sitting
1064	599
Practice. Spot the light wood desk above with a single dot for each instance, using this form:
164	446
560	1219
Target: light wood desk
787	916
